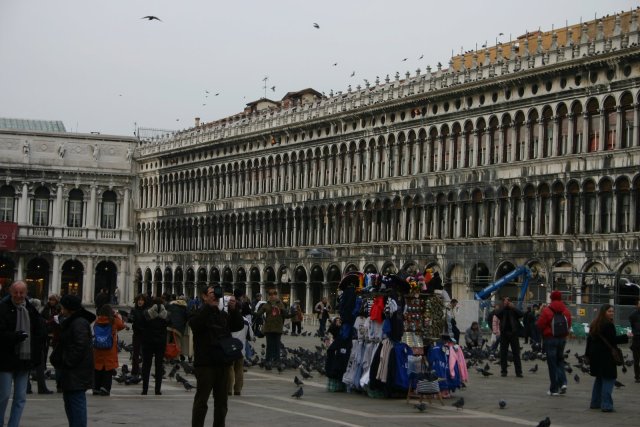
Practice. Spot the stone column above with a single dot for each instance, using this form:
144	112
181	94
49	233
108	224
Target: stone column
601	128
396	159
125	210
308	299
585	133
123	283
555	152
20	268
476	146
88	281
325	290
55	275
542	139
57	210
570	130
636	120
23	218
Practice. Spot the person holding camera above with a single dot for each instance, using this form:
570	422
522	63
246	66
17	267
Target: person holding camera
509	317
22	333
209	324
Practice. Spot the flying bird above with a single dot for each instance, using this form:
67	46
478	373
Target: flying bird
404	59
545	423
315	25
217	94
421	56
420	406
459	403
353	73
502	404
151	18
335	64
298	394
273	88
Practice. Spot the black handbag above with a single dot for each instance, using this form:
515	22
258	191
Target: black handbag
231	348
616	353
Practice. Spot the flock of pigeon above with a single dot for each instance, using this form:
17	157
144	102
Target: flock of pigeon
305	362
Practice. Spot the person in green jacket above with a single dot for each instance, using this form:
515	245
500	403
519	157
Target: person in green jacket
275	312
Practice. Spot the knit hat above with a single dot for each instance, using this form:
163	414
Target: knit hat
556	296
71	302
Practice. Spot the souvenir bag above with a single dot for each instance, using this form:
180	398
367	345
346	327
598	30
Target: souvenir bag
172	350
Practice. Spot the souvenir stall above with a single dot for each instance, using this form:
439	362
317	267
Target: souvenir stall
386	334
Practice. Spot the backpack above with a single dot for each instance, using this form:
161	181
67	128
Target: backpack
102	336
559	325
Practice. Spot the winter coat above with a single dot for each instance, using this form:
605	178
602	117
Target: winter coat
209	324
509	320
136	317
9	361
601	362
275	313
546	317
107	359
178	315
73	356
155	326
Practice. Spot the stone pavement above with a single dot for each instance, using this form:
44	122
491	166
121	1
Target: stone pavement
266	401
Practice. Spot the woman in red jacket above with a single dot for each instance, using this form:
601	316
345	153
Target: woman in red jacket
106	360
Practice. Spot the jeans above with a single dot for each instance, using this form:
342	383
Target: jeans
510	339
273	346
323	325
75	405
210	379
601	393
20	380
555	362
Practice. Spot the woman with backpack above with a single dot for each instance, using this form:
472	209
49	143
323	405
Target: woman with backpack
105	348
154	342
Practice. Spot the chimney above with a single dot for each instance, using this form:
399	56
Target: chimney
197	121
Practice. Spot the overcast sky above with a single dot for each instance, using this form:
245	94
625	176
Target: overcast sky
97	66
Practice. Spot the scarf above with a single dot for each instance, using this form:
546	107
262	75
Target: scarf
23	323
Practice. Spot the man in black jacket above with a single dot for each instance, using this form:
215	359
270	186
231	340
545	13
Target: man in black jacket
509	317
208	325
73	357
22	333
634	319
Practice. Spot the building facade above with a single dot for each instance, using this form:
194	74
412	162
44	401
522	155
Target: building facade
523	153
71	196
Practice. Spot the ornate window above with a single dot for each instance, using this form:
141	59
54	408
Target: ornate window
41	207
7	197
74	208
108	212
